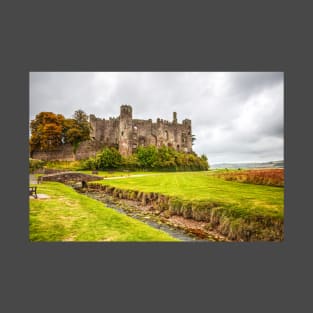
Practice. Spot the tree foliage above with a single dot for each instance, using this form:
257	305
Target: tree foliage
46	131
147	156
109	158
150	157
50	130
193	139
76	129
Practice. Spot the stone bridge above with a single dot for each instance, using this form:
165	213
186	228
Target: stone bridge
66	177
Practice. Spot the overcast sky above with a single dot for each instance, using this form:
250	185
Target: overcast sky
236	116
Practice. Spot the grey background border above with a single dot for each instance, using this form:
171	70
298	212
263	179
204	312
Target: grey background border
139	35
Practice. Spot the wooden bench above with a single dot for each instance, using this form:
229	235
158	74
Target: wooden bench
33	192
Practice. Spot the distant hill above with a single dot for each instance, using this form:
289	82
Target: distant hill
274	164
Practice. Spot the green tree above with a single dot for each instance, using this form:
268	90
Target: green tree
131	162
109	158
193	139
81	119
76	129
166	158
147	156
204	161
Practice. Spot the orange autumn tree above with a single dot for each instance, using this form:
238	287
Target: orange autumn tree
50	130
46	131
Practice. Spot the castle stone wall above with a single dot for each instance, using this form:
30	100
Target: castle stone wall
85	150
126	134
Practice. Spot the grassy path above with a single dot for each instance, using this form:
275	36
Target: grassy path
69	216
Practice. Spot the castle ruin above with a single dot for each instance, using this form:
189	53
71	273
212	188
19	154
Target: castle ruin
127	134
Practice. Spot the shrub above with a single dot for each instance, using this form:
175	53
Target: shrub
109	158
167	158
88	164
147	158
35	164
63	165
270	177
131	162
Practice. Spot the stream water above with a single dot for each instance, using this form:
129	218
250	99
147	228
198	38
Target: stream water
146	218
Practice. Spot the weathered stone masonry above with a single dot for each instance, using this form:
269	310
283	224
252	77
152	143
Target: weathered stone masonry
126	134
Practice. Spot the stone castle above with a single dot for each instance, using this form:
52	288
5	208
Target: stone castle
127	134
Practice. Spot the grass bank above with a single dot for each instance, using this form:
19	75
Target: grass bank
237	210
69	216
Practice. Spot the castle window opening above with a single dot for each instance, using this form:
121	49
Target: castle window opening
122	133
154	140
142	141
166	135
177	147
183	137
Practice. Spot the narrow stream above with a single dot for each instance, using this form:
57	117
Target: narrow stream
147	219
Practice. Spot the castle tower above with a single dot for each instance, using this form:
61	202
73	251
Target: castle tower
174	117
188	135
125	130
93	124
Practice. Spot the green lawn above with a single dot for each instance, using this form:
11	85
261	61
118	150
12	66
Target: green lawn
69	216
237	210
242	199
116	173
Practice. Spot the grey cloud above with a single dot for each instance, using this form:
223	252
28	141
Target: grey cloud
248	84
235	116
